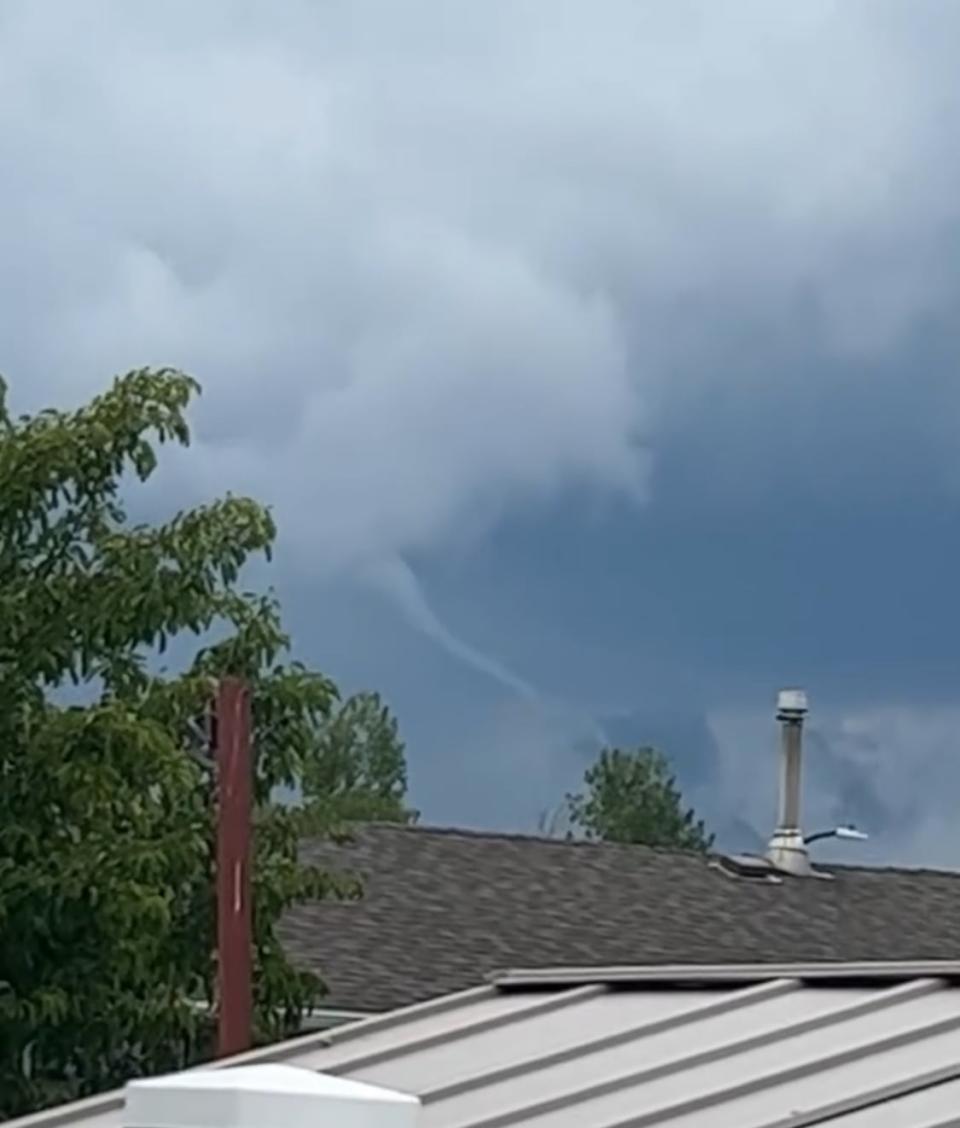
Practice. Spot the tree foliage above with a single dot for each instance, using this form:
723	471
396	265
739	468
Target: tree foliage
631	796
106	822
358	771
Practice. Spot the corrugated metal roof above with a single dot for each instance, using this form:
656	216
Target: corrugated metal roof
753	1048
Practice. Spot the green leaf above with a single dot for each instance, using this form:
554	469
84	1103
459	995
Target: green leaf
107	905
631	796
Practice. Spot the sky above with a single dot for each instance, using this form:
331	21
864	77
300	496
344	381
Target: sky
600	363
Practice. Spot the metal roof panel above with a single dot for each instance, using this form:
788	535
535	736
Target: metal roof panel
791	1051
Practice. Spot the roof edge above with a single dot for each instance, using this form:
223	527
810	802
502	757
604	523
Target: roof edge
524	837
885	971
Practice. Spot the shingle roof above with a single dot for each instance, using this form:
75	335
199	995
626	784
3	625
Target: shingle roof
442	909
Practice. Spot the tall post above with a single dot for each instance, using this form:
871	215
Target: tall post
234	773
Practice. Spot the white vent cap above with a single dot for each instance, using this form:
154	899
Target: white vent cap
264	1096
792	701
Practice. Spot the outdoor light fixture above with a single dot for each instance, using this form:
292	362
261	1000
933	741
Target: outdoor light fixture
849	833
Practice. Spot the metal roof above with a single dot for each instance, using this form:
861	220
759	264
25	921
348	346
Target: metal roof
852	1046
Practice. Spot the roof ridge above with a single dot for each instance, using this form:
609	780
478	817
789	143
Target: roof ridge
907	871
526	836
445	830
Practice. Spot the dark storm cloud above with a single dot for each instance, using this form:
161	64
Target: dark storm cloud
430	263
440	266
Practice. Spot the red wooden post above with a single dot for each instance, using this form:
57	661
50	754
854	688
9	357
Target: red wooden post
234	770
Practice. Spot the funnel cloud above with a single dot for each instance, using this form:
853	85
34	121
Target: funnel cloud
634	326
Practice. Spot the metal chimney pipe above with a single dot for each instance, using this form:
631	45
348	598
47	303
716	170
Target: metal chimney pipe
787	850
791	730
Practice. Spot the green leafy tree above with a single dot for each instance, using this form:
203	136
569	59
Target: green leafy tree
633	797
358	771
106	821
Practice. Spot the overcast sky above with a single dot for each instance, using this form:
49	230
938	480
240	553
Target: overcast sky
600	361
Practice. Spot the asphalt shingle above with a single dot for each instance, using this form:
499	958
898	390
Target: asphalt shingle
443	908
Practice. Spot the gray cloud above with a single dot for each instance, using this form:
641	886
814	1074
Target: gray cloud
409	253
438	265
890	770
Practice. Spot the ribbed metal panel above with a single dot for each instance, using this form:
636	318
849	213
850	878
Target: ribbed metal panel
780	1053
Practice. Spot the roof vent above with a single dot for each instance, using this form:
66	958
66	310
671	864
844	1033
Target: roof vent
263	1096
748	866
787	850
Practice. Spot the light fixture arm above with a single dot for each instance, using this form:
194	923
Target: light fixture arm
849	833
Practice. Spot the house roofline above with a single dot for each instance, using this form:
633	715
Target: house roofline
429	830
870	971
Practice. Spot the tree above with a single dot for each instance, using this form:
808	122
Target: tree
633	797
107	907
358	770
